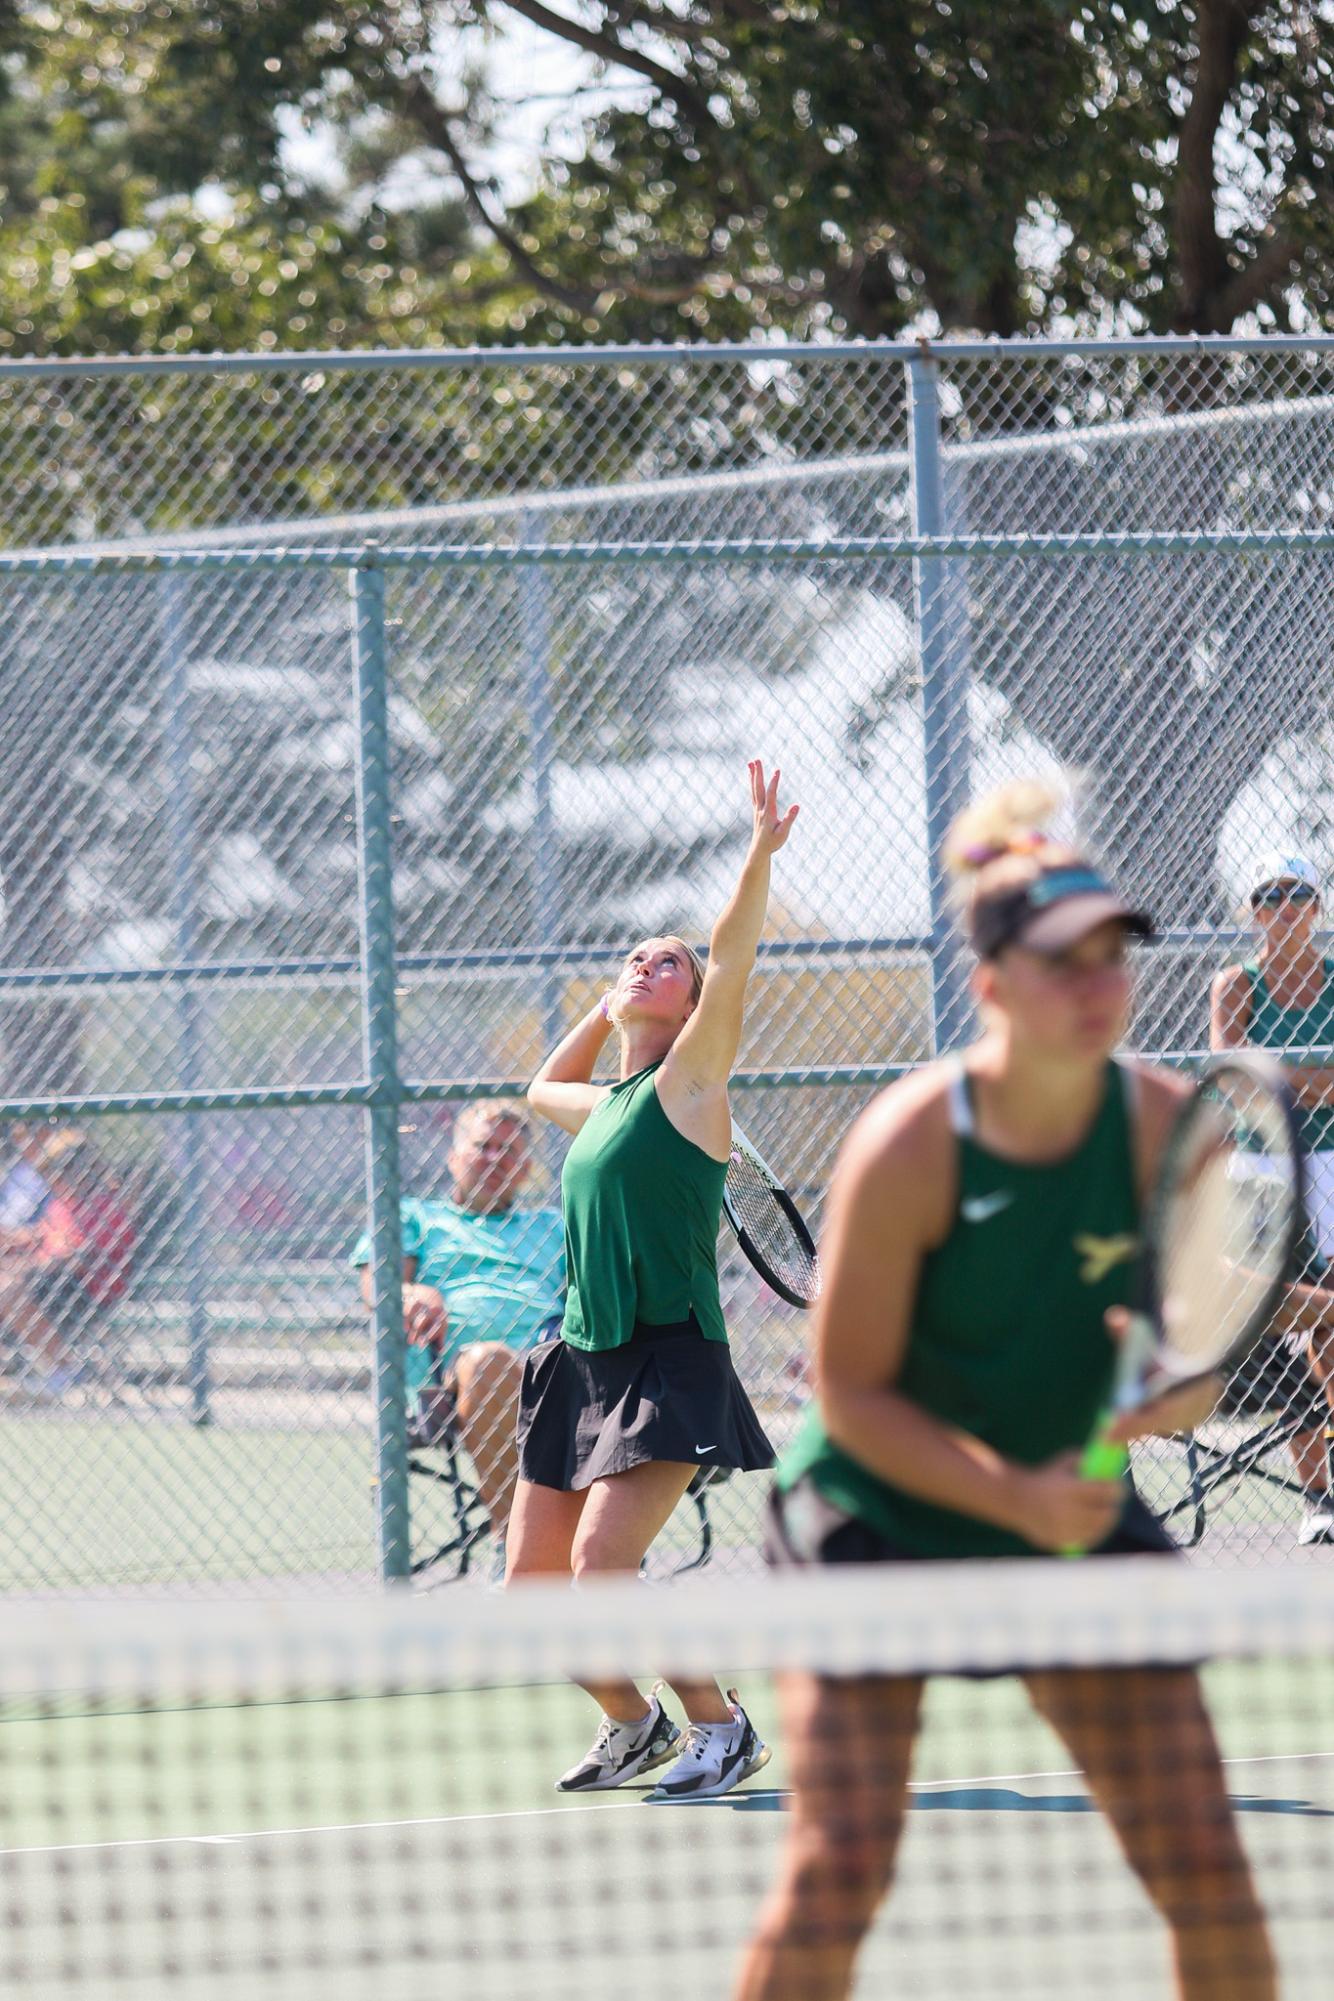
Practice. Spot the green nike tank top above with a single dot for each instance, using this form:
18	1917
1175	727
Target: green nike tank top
1007	1339
642	1204
1308	1032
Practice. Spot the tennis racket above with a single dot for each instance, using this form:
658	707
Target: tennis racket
1220	1236
769	1226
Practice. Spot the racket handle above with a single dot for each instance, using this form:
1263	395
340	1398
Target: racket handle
1102	1460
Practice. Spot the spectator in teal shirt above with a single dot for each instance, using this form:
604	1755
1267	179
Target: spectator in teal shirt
483	1280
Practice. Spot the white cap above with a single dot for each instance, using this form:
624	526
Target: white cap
1275	867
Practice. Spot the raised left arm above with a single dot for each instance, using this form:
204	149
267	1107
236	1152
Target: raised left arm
700	1060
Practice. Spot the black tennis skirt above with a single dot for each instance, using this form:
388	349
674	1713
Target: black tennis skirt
668	1393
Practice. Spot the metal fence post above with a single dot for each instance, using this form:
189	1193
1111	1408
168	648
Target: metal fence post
182	846
380	1048
944	699
548	905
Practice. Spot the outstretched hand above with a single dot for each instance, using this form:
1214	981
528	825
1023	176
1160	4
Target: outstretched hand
771	829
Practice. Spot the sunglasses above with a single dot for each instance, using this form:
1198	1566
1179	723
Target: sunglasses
1284	892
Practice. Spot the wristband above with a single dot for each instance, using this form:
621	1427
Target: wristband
605	1005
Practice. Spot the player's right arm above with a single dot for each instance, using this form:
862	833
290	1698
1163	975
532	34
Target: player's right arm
891	1202
562	1090
1311	1084
1229	1009
1304	1309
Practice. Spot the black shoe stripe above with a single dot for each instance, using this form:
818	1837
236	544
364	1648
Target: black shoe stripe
743	1753
730	1763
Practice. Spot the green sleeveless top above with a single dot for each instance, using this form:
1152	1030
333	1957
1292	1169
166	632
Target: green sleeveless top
1308	1032
1006	1340
642	1204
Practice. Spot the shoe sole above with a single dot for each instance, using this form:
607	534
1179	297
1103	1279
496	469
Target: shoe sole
623	1778
748	1770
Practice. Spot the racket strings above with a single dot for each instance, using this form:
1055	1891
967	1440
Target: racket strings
1226	1242
756	1210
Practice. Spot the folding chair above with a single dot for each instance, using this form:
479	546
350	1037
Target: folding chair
435	1461
1276	1389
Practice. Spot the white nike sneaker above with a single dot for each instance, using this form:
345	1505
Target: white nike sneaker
713	1758
621	1750
1317	1522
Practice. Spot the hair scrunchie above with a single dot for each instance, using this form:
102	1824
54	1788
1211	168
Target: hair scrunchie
1028	841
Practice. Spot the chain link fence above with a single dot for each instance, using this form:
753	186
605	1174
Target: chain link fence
361	710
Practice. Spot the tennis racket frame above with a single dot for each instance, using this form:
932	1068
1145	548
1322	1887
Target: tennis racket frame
1142	1339
745	1148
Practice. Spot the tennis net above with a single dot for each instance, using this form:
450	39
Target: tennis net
337	1800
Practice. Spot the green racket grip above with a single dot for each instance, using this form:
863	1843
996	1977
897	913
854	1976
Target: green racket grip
1102	1460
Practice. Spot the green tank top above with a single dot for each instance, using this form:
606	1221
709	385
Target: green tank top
1308	1032
1007	1338
642	1204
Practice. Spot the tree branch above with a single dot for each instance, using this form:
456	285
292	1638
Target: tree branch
674	27
684	94
433	122
1200	253
418	104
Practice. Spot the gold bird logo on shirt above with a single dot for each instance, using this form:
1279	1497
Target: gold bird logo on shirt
1101	1254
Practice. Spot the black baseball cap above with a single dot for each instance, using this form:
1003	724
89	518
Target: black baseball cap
1051	911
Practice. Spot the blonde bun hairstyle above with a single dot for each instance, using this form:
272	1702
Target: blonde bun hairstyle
1005	840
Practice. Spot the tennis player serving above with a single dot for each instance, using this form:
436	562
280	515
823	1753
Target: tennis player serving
983	1225
617	1416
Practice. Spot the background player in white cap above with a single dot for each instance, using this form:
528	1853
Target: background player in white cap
1282	999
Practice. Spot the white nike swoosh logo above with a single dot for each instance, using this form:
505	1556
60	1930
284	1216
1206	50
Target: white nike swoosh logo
977	1208
702	1448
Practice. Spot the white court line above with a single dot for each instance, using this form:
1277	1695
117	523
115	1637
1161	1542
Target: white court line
545	1812
1017	1778
333	1827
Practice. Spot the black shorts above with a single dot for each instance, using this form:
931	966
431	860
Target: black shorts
667	1394
63	1298
819	1532
816	1531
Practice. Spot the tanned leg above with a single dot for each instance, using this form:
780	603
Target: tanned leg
1147	1749
849	1746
